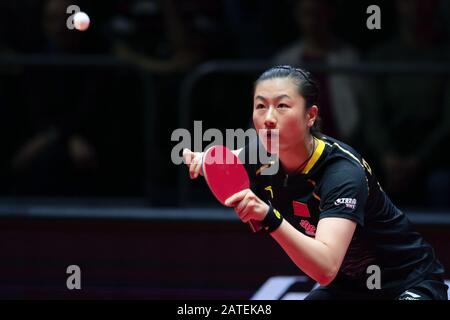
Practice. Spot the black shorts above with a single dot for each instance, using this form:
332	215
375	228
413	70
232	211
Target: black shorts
429	289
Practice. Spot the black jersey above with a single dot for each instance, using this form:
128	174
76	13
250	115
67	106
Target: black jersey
338	182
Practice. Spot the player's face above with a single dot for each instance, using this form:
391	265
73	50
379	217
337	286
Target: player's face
278	105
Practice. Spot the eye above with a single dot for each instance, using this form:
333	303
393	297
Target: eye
282	105
260	106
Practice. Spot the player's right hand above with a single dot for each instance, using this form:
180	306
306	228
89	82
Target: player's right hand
194	161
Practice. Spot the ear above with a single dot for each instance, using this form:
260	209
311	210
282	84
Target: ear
311	115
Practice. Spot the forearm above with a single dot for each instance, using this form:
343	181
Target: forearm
310	255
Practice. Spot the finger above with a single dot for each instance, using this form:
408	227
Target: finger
241	206
243	203
193	167
187	156
246	214
197	167
247	211
235	198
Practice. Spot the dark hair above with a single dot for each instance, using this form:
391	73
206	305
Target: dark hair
306	86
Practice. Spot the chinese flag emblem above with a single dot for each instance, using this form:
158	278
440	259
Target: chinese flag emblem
300	209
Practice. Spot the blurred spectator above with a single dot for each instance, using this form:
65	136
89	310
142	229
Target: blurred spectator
318	44
251	24
5	117
166	39
408	117
165	36
55	155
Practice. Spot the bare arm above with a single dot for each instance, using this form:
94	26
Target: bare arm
319	258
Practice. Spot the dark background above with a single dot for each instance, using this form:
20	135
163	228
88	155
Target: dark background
86	120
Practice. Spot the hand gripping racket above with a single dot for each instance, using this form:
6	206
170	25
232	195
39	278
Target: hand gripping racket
225	175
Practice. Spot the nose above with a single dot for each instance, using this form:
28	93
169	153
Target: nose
270	120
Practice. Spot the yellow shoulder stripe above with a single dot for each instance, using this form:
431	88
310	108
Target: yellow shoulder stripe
317	153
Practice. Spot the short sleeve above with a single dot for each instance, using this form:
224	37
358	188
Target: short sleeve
343	192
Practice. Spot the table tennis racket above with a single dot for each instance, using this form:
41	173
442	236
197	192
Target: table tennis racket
225	175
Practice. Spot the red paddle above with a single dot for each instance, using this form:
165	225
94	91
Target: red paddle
225	175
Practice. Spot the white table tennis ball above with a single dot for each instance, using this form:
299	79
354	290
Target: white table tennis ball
81	21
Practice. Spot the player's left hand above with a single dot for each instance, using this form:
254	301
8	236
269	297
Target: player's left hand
248	206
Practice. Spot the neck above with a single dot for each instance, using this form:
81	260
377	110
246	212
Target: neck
295	158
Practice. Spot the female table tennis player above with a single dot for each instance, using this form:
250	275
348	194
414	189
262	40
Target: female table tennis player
325	207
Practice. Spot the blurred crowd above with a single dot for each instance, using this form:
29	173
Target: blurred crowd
72	130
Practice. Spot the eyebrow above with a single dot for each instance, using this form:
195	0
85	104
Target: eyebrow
281	96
